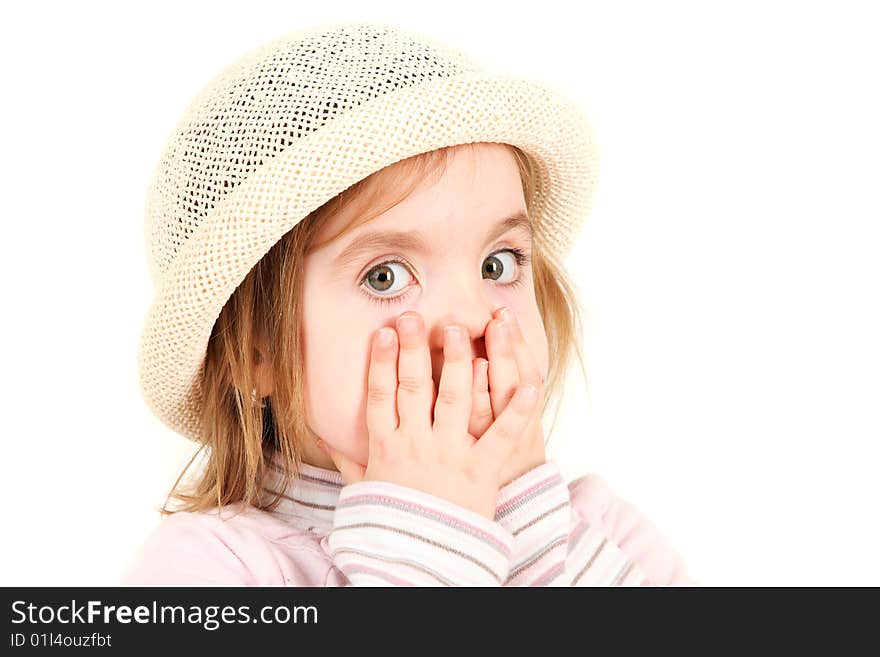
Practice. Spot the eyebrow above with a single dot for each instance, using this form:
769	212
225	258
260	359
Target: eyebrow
414	242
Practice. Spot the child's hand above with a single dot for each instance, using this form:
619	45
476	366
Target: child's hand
444	459
510	363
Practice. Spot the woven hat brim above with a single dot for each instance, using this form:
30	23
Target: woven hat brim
473	107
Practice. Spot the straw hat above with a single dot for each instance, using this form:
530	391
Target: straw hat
293	123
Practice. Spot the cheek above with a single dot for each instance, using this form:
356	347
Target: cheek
336	367
535	336
539	348
333	352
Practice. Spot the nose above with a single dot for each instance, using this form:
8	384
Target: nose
474	327
472	313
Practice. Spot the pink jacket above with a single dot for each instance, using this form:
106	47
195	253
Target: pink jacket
375	533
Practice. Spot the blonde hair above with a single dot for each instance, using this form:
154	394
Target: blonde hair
241	436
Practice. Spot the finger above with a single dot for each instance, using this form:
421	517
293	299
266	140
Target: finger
503	376
351	472
527	367
382	385
453	407
481	407
413	375
496	445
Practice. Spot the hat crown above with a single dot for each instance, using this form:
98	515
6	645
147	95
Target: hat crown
266	101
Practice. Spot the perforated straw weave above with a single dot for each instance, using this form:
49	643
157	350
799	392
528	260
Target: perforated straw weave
295	122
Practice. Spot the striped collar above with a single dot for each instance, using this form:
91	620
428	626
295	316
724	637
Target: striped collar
310	500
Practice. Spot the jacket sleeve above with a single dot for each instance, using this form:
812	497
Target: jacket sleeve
190	549
581	534
385	534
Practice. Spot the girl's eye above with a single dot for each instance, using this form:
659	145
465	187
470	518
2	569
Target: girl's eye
497	268
383	280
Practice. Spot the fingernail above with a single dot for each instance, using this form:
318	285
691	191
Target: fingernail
386	335
505	313
452	331
408	323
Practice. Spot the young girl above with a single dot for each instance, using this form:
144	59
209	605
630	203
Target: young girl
357	236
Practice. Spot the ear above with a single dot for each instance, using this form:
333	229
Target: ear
263	369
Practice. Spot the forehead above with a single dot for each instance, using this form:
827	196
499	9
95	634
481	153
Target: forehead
479	186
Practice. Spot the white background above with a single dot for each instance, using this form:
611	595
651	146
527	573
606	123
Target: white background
728	270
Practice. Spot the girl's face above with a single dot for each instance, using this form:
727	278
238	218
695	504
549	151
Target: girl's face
442	252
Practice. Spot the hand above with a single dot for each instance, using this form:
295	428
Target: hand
510	364
441	458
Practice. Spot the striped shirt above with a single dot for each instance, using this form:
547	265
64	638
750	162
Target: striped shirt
376	533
